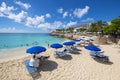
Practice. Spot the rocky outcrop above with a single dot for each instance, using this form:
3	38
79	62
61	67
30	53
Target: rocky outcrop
62	35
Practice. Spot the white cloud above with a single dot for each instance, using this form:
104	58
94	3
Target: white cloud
5	10
57	24
50	26
44	25
11	30
24	5
34	22
88	20
48	15
20	17
80	12
1	15
65	14
71	24
60	10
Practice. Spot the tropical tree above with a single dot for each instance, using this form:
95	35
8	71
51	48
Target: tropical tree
114	28
81	30
100	25
97	26
93	28
115	25
70	29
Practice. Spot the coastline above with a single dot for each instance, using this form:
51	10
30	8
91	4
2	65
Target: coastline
74	66
20	52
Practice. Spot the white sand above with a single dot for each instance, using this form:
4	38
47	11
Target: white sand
13	54
71	67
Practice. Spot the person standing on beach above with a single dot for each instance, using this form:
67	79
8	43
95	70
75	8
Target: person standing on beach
48	45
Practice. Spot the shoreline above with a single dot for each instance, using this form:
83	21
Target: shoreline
17	53
20	52
12	54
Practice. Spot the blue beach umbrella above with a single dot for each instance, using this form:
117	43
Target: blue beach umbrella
56	45
36	50
69	43
92	48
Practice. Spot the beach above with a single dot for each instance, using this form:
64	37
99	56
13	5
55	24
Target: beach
70	67
63	40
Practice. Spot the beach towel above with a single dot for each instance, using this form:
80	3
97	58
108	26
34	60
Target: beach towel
29	68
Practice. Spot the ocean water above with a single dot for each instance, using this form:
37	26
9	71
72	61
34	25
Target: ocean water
17	40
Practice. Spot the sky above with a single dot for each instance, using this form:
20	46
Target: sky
44	16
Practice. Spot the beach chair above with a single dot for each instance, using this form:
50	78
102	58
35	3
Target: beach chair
29	68
60	53
92	53
97	53
99	56
43	58
76	49
73	50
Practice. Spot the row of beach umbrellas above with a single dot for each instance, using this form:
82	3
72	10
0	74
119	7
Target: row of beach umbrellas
39	49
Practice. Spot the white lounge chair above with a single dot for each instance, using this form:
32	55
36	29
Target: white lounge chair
60	53
97	53
74	50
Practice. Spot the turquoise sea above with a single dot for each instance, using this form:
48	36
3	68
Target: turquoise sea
18	40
